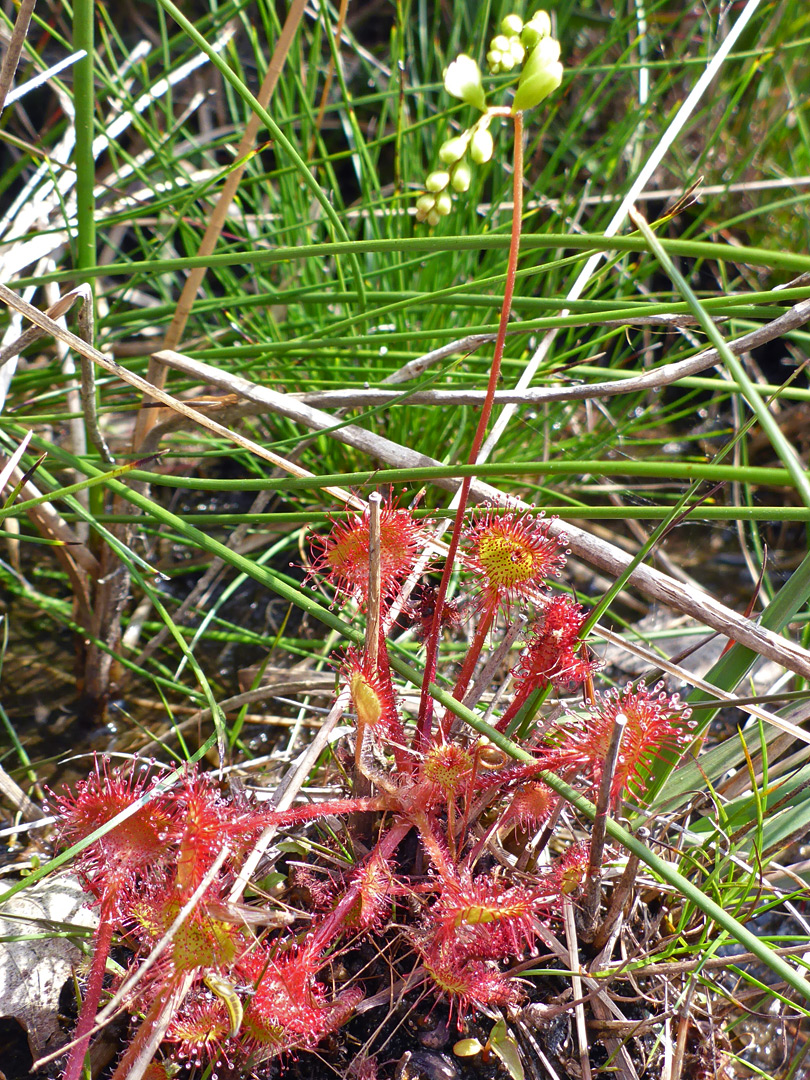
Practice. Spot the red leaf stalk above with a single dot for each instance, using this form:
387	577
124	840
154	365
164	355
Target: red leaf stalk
92	993
323	936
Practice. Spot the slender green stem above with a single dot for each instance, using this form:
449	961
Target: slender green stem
278	135
670	470
84	109
84	105
584	243
783	448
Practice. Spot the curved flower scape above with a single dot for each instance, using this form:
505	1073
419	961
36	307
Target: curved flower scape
413	892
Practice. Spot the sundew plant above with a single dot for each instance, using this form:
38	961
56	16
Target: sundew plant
417	877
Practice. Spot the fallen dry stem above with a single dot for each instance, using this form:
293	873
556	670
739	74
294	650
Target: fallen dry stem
14	50
683	967
576	986
661	376
588	547
594	876
287	790
622	891
89	352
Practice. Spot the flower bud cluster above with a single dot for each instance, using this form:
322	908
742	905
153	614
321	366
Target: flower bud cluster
529	45
506	50
455	173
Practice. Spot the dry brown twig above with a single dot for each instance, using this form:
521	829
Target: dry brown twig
593	888
661	376
602	1004
591	549
15	46
87	351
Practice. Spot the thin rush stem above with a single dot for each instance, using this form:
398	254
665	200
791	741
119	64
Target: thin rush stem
432	646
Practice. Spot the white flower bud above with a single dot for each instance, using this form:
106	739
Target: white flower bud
516	50
505	50
538	27
462	175
437	180
512	24
444	204
424	205
453	150
463	80
481	146
541	75
433	218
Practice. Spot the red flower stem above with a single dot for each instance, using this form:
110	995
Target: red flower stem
373	620
92	993
469	790
425	721
451	827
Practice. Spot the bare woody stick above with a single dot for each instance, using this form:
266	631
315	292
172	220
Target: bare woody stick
621	894
374	577
15	47
576	986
